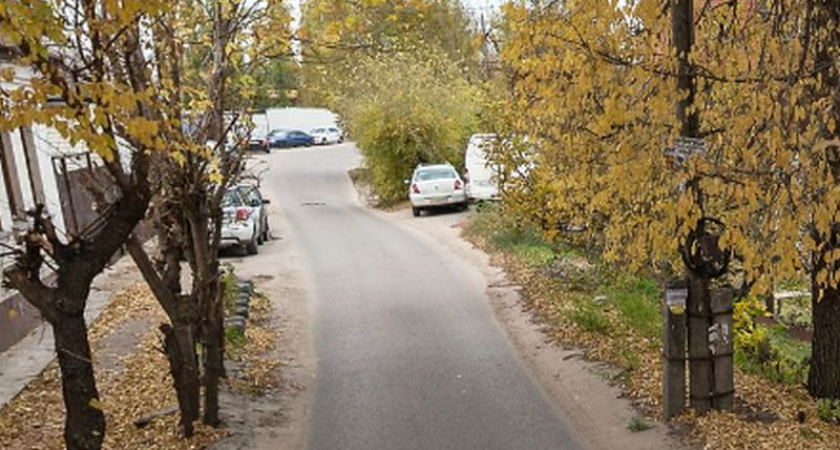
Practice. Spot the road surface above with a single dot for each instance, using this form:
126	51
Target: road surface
408	353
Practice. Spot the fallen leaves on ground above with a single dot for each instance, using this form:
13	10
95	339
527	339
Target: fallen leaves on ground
34	419
259	368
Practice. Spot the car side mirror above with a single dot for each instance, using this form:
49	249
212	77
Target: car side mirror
266	201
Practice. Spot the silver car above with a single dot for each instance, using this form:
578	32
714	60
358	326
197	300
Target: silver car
436	185
245	219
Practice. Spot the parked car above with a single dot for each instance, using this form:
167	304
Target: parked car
436	185
480	175
289	138
327	135
258	141
244	219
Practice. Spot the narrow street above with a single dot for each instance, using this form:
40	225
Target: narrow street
408	354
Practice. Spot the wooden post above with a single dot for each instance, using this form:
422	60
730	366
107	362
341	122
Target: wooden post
722	348
673	350
699	355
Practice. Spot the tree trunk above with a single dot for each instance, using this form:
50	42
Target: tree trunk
824	376
214	353
84	427
179	343
179	338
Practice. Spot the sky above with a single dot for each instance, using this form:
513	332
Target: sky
475	6
479	6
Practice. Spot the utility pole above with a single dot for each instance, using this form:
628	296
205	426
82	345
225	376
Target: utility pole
698	306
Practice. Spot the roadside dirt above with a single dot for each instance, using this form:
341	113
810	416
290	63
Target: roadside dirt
580	390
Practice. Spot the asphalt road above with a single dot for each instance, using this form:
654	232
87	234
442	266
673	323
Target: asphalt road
408	353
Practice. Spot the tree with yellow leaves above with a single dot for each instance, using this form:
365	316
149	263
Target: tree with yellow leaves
214	49
400	74
594	84
118	69
93	56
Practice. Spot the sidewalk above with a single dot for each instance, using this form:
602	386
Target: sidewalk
26	359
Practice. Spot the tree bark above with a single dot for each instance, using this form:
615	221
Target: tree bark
214	369
824	373
179	338
208	297
84	426
179	344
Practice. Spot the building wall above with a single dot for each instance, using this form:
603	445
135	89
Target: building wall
17	317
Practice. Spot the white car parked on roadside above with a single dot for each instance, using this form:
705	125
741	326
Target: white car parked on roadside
244	219
327	135
435	185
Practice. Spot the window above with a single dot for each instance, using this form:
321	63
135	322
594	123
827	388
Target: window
36	183
435	174
14	196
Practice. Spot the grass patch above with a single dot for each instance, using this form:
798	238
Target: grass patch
235	338
639	423
638	302
589	316
534	255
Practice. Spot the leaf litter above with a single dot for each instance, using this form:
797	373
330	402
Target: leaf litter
768	415
34	418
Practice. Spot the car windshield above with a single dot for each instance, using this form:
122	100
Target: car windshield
441	173
317	131
231	198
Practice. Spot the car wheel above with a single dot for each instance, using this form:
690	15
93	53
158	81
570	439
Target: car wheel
463	206
252	248
266	236
416	211
260	239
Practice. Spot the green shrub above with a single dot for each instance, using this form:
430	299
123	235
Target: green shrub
407	109
828	409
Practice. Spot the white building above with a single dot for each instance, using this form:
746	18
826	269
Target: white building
36	167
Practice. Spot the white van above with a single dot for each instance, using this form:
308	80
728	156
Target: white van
480	175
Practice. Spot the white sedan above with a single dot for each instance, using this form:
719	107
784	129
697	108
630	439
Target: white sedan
242	222
436	185
327	135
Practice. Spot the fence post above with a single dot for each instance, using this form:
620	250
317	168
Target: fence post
673	349
720	344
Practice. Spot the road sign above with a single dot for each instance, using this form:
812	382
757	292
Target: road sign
684	148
